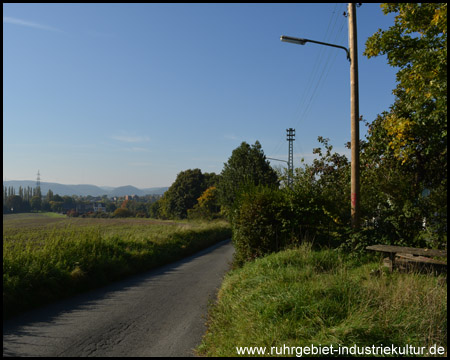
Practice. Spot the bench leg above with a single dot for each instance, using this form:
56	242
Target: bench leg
392	258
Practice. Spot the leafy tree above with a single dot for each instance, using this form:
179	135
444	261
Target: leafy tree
211	180
154	209
136	207
404	160
182	194
320	196
14	203
69	202
56	206
208	200
36	203
110	206
207	206
395	204
247	165
416	126
57	198
45	206
332	171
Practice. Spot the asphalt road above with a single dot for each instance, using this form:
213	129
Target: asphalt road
159	313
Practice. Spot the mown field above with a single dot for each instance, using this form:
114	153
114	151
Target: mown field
48	256
301	297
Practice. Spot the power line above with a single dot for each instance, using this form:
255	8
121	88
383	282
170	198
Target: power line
329	60
312	85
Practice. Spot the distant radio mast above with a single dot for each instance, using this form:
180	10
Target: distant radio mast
38	184
38	180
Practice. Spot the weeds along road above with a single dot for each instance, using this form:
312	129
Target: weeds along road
159	313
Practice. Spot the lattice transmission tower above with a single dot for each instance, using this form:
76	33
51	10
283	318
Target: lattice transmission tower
38	184
290	134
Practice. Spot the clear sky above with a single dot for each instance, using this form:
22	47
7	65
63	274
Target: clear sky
132	94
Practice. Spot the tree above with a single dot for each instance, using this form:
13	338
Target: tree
208	200
154	209
57	198
36	203
182	194
110	206
69	202
405	156
14	203
49	196
333	172
207	206
56	206
246	166
417	123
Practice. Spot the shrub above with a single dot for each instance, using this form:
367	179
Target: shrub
72	213
122	212
261	223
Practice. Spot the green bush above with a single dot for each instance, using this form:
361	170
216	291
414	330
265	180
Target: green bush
122	212
261	223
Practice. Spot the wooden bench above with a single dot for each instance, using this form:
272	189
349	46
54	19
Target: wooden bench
412	256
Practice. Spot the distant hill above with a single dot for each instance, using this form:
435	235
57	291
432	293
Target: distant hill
84	190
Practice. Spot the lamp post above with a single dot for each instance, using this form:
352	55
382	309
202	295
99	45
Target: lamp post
299	41
354	105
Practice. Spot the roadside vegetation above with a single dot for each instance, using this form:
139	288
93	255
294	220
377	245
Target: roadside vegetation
284	291
46	260
299	297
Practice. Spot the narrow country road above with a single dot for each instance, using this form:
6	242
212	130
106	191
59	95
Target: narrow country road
159	313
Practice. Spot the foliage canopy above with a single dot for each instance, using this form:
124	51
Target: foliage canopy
247	165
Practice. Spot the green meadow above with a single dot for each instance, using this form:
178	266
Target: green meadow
48	256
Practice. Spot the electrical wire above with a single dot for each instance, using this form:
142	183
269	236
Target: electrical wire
313	84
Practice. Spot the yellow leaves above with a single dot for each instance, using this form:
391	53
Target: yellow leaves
208	195
400	131
335	218
440	18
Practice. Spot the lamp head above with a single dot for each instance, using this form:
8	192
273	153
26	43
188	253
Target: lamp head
293	40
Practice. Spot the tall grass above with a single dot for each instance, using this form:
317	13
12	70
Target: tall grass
41	265
301	297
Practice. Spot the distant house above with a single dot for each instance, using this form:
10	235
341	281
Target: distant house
99	208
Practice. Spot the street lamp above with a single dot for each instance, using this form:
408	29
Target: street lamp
354	105
299	41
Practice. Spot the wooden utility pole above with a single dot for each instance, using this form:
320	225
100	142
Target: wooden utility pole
354	98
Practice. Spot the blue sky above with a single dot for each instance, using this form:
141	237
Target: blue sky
132	94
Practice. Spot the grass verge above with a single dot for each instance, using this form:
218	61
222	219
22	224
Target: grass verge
43	264
301	297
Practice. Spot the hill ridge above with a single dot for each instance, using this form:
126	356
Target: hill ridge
85	189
